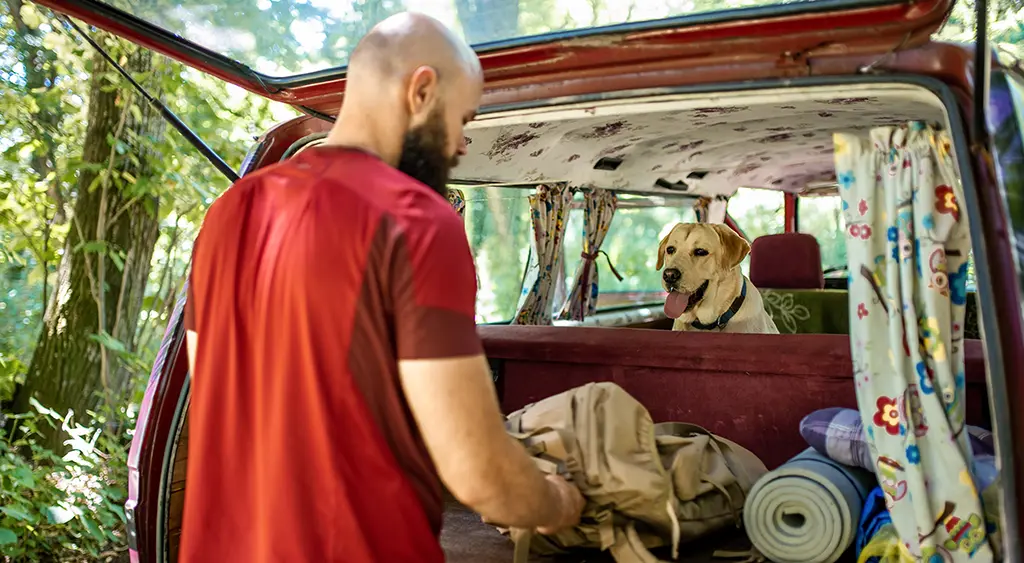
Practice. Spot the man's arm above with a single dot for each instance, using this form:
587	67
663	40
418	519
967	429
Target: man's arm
191	338
447	384
454	404
189	314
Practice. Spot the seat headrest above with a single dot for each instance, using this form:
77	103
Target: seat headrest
786	261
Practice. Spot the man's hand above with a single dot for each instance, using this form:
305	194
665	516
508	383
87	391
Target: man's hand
570	505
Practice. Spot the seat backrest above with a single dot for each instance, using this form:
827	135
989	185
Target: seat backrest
786	261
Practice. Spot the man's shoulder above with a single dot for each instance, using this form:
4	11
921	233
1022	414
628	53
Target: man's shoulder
354	179
243	187
422	212
301	171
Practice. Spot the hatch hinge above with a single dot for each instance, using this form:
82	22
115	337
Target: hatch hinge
794	64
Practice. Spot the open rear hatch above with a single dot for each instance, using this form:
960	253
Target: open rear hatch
294	51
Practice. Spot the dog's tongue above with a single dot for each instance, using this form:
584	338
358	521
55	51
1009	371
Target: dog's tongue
676	304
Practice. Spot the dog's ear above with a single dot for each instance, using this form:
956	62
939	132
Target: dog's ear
662	246
734	247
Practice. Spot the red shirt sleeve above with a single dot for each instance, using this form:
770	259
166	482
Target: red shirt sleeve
189	313
190	306
190	301
433	289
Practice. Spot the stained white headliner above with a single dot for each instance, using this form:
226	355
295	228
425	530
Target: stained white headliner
779	138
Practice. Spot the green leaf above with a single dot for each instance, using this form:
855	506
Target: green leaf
7	536
91	246
109	342
118	262
95	183
23	476
16	513
91	527
25	152
30	16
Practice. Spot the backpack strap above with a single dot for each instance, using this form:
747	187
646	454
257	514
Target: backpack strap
626	546
629	548
556	446
679	429
522	538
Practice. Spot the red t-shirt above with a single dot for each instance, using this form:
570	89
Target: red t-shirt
310	280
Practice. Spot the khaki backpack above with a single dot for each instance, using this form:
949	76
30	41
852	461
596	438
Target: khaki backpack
647	485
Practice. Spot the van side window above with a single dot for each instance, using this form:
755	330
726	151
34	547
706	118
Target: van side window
499	231
822	217
632	244
758	212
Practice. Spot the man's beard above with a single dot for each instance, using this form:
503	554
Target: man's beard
423	153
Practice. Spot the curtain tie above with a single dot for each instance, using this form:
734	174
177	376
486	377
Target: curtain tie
593	257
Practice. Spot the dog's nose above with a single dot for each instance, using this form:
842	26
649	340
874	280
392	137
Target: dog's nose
671	275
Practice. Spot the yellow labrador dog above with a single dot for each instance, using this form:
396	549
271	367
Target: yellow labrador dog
707	290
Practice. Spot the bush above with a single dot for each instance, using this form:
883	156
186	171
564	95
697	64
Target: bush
55	508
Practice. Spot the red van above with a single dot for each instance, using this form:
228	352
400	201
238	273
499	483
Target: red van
672	113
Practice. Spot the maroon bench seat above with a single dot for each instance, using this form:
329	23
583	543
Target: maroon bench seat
751	388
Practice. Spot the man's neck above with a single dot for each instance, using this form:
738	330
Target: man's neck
354	132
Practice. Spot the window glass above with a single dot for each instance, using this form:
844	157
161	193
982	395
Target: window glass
758	212
822	217
499	233
632	244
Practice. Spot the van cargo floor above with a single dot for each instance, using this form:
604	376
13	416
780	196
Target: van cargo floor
466	539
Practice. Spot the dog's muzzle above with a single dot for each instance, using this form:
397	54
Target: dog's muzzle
671	277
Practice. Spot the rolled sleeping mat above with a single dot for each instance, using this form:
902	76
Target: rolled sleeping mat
807	510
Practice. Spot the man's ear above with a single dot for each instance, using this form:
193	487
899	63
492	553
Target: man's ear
734	247
421	93
662	246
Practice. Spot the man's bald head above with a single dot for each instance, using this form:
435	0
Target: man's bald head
411	87
406	41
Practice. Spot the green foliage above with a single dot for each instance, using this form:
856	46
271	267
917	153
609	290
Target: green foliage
66	508
823	218
32	228
1006	25
500	234
631	244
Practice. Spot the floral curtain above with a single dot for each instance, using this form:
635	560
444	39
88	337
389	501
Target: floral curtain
716	209
458	201
908	243
711	210
598	211
700	209
549	207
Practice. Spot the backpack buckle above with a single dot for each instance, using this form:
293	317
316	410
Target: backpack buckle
604	519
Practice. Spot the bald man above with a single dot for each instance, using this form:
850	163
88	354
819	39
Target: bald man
336	369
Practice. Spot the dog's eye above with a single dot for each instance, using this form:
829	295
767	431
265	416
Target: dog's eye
670	250
700	252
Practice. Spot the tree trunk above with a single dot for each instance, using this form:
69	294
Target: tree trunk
488	20
117	222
